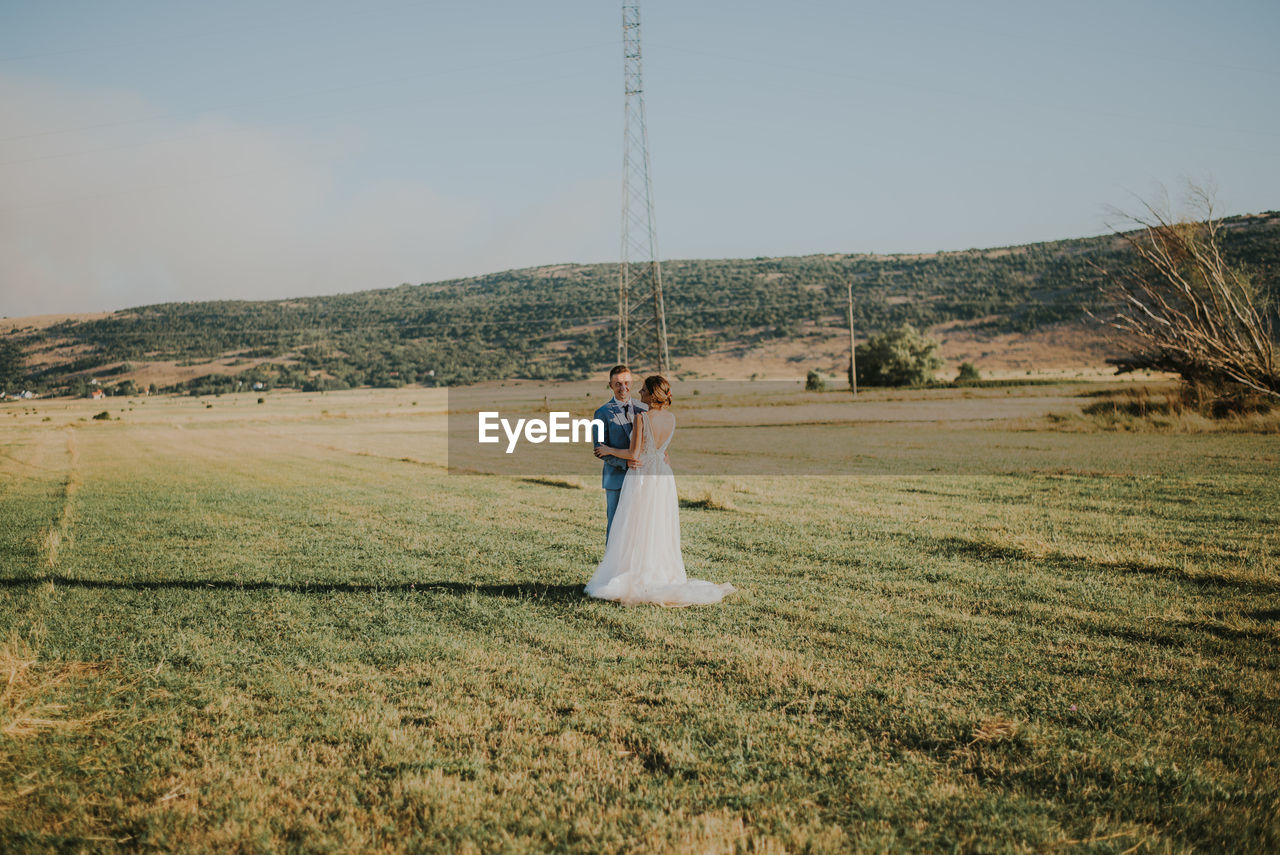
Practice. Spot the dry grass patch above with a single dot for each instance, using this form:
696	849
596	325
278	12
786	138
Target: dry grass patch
727	832
993	730
1169	409
25	705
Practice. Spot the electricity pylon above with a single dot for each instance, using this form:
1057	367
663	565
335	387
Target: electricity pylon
642	320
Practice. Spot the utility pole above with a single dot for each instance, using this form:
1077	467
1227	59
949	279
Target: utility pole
853	366
642	319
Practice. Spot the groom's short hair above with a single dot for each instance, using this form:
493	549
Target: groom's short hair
616	370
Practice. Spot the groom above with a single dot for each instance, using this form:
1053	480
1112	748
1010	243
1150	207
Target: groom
617	416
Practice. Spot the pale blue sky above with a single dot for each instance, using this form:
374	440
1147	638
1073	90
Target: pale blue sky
156	151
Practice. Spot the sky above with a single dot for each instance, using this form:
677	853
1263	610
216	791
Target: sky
170	151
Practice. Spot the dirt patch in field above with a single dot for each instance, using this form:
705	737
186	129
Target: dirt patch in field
39	322
1068	351
169	372
1047	349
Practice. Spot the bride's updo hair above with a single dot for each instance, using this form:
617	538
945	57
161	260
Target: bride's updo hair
658	389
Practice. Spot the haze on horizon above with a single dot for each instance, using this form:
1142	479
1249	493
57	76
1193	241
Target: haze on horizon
170	152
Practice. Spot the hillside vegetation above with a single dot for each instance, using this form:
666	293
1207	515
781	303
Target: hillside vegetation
557	322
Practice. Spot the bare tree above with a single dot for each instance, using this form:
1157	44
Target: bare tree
1182	308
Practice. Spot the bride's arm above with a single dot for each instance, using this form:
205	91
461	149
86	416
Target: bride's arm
637	441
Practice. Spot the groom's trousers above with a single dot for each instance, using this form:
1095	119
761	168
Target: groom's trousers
610	505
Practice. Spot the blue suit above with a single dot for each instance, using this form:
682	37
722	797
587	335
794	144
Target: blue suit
617	433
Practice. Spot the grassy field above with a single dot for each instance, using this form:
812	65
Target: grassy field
230	626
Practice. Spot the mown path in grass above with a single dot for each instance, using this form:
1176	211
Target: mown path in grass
294	631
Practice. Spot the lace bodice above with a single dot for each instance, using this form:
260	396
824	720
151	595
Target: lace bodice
651	452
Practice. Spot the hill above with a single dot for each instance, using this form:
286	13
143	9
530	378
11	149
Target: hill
557	322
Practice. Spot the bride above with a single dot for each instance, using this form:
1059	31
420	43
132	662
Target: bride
642	561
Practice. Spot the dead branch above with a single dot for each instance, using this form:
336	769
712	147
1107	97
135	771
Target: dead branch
1181	307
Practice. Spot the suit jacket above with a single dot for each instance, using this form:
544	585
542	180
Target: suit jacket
617	433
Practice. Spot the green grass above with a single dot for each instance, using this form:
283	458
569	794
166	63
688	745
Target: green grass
294	631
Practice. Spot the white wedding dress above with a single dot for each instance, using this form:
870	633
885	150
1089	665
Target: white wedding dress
642	561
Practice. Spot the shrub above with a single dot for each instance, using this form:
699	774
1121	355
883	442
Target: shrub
968	373
901	356
815	382
103	416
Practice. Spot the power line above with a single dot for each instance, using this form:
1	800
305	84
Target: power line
524	82
173	185
200	34
1024	37
962	94
309	93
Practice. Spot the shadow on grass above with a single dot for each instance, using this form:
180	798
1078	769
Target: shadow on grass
562	483
986	551
516	591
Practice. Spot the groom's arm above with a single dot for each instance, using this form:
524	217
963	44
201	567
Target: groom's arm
603	415
628	455
611	459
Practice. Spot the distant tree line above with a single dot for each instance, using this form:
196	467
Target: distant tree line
11	365
558	324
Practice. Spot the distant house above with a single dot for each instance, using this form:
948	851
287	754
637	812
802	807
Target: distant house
98	393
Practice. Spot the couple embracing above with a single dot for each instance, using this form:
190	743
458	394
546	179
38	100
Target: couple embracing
642	561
